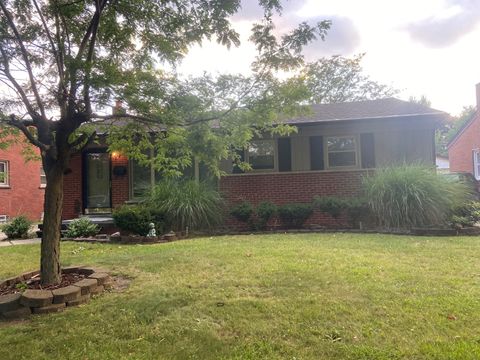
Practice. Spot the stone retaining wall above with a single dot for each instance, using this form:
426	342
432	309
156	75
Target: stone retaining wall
21	305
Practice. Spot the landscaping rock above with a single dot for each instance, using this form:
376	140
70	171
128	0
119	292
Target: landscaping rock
71	269
98	290
36	298
101	278
87	285
49	309
28	275
65	294
9	302
20	313
108	285
81	300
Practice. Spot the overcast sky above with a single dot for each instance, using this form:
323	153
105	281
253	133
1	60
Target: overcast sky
421	47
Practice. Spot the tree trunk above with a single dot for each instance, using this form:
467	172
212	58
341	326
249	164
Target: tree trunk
50	272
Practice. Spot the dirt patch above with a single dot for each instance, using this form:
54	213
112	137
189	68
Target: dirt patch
34	284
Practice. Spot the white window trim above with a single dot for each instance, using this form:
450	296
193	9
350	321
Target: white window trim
43	175
5	183
275	157
476	163
357	153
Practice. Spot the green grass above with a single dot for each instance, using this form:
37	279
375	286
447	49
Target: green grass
315	296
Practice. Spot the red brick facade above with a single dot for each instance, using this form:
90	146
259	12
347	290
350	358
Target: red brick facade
299	187
460	150
24	194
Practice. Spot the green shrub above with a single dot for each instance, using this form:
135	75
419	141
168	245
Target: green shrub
265	211
357	210
466	215
81	227
187	204
17	228
294	215
242	212
136	219
334	206
412	196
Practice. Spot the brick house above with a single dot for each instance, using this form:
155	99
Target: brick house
22	185
333	149
464	148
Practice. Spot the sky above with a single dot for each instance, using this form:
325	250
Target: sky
420	47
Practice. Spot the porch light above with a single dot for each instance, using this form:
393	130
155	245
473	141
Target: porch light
115	155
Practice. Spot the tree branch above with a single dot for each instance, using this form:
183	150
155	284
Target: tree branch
22	125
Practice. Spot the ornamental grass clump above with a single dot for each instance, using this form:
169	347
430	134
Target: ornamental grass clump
406	196
187	204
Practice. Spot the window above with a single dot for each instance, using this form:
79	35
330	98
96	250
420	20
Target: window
3	173
476	163
43	178
341	151
261	154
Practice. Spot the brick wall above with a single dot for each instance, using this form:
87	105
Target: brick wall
460	151
120	191
23	196
284	188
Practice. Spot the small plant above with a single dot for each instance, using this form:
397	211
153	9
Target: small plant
242	212
22	286
17	228
81	227
334	206
136	219
466	215
265	211
294	215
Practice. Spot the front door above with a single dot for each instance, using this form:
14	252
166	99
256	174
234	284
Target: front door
97	185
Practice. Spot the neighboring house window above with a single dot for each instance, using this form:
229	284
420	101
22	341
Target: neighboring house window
476	163
43	178
3	173
341	151
261	154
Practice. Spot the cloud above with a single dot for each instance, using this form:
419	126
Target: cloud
252	11
443	30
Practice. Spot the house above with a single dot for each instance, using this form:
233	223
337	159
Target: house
464	148
22	184
333	149
442	163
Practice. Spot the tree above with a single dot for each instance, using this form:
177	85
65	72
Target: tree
422	100
449	129
339	79
63	61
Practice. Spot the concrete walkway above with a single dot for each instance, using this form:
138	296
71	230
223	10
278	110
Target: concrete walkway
19	242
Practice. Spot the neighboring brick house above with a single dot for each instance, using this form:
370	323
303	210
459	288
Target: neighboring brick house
22	185
331	152
464	148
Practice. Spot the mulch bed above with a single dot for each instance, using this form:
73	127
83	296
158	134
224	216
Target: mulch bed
34	283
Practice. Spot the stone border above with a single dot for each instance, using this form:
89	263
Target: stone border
32	301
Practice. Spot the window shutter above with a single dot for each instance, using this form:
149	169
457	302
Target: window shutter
367	145
284	155
316	153
236	169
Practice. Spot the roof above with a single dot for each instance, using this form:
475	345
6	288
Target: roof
464	127
369	109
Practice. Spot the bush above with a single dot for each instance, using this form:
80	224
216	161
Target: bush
242	212
191	204
81	227
265	210
412	196
331	205
136	219
294	215
17	228
466	215
357	210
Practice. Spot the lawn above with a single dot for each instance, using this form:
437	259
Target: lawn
309	296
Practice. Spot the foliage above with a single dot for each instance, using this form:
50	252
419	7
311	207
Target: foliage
264	212
294	215
136	219
422	100
242	212
340	79
408	196
81	227
450	128
466	215
357	210
187	204
17	228
332	205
